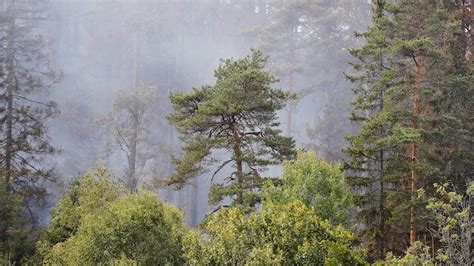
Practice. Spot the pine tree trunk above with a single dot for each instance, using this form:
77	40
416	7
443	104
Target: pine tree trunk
169	189
381	185
289	119
382	209
10	83
382	196
9	130
238	161
419	78
195	203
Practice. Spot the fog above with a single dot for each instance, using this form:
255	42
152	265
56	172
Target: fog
104	47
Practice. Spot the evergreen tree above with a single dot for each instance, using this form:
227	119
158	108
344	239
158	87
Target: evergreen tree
25	76
236	114
403	71
301	36
15	245
26	73
452	134
367	148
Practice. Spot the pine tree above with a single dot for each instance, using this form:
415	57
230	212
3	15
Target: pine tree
452	131
407	134
368	147
301	36
26	77
238	115
284	41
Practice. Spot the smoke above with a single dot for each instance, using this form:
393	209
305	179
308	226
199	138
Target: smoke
103	47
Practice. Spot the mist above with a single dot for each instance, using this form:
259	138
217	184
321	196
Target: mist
209	132
103	48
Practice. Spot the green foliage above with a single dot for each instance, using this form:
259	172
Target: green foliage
412	106
97	221
418	254
25	162
26	148
237	115
453	223
281	234
315	182
15	246
88	195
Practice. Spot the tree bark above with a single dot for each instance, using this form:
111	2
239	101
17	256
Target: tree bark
382	193
381	234
238	160
10	84
132	159
382	210
419	78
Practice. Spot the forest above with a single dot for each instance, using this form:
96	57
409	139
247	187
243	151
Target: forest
236	132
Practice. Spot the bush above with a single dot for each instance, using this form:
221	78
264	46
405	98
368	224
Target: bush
290	233
98	222
315	182
418	254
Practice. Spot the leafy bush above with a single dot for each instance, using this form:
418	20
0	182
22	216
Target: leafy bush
289	233
315	182
97	221
418	254
454	224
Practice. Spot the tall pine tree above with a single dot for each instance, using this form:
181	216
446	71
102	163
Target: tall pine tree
238	115
368	148
412	96
25	77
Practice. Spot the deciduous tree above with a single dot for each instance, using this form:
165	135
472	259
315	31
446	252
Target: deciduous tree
315	182
283	234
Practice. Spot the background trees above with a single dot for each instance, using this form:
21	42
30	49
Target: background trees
130	128
237	115
14	243
307	42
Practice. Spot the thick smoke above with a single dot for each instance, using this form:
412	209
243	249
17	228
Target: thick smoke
106	47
